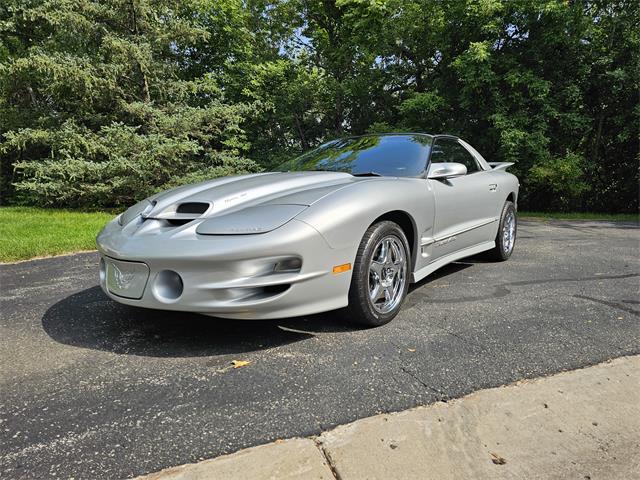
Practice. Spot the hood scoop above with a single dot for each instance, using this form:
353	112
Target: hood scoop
181	213
193	208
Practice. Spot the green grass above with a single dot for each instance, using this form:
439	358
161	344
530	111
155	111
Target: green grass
27	232
615	217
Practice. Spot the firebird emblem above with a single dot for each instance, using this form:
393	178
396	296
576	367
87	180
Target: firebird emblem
122	280
446	240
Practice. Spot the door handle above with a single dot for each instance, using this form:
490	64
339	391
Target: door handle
493	187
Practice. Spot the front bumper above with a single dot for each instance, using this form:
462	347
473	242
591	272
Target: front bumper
228	276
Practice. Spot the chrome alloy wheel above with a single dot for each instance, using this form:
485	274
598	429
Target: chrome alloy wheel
509	232
387	274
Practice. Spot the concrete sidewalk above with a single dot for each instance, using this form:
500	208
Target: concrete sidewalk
583	424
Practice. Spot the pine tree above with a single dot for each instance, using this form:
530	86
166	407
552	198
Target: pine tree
97	109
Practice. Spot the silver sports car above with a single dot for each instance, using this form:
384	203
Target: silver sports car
349	224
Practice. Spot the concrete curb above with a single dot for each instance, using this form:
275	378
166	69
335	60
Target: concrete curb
284	459
581	424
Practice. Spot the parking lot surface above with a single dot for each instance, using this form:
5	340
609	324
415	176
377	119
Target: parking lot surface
93	389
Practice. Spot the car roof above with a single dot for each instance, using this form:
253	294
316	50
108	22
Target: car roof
389	134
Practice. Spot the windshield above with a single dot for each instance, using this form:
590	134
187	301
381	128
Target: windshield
385	155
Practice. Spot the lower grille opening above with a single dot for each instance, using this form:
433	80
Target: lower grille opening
275	289
240	295
179	222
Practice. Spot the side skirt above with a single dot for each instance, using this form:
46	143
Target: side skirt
452	257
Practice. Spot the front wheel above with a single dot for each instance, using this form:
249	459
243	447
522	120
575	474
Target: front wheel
380	277
506	237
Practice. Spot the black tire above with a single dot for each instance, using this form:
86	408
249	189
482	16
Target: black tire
502	251
361	308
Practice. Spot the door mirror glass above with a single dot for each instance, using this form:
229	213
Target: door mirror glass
446	170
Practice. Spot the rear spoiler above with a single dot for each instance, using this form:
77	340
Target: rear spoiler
500	165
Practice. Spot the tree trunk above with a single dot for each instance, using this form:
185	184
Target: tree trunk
596	143
303	140
144	83
146	97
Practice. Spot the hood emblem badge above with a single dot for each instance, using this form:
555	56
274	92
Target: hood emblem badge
122	280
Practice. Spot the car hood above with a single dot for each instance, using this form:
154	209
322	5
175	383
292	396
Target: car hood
229	194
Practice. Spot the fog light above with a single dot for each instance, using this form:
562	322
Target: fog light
289	265
168	285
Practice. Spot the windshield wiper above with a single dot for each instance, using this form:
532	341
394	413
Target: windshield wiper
367	174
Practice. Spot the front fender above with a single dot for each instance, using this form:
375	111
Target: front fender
343	216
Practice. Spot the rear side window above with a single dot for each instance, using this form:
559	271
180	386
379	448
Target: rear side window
447	150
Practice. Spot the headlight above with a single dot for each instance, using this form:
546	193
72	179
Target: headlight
132	212
252	220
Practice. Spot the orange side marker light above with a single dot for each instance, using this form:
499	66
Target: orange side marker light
345	267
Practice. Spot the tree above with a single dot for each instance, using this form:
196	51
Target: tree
98	107
102	101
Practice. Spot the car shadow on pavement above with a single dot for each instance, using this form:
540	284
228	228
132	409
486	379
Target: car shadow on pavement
449	269
89	319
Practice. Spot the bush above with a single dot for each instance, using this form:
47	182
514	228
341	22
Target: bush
558	183
114	166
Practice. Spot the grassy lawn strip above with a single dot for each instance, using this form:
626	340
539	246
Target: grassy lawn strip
614	217
27	232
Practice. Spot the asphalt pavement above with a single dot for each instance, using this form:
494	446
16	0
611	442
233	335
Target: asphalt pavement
93	389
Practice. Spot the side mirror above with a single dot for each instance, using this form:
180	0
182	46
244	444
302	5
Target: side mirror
446	170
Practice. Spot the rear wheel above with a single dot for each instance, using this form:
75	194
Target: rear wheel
506	237
380	277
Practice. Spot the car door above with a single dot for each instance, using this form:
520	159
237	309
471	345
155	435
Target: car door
464	205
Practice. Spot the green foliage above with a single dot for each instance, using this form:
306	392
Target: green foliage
99	110
560	180
422	111
102	102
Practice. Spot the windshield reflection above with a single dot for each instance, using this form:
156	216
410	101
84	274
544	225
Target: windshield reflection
402	155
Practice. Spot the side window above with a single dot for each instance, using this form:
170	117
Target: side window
448	150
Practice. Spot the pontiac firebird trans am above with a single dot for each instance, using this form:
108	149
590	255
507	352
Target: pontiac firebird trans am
349	224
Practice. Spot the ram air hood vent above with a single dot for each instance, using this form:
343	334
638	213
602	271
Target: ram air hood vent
193	208
179	213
